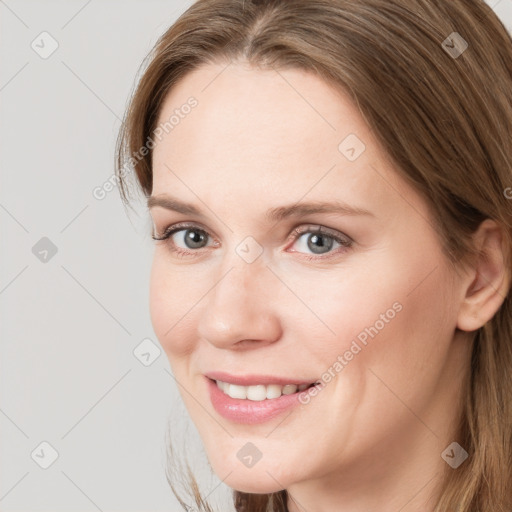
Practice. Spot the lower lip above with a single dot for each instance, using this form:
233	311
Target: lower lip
249	411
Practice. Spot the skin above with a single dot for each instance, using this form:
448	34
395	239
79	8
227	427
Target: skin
372	439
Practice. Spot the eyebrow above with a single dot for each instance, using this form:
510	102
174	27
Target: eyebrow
273	214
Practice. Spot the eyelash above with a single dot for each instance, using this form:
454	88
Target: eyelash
346	243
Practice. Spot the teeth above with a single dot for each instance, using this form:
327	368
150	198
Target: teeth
289	389
259	392
235	391
273	391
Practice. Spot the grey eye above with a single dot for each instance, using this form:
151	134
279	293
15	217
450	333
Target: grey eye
317	243
193	238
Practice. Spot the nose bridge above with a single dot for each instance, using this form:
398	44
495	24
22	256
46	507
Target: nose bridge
243	270
238	308
231	287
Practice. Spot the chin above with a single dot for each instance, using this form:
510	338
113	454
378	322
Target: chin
249	484
261	478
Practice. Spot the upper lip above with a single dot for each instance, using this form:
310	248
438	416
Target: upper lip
254	380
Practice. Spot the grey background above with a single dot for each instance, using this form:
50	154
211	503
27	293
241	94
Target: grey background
69	323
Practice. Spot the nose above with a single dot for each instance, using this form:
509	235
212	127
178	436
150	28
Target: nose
239	311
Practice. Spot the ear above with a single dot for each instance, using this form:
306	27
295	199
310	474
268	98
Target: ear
488	281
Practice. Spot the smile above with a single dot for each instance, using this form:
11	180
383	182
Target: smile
260	392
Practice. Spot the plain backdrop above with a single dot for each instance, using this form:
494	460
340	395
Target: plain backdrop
84	389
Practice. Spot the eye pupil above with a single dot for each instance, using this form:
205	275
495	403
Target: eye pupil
320	240
194	238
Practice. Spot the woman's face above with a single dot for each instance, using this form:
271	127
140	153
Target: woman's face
367	308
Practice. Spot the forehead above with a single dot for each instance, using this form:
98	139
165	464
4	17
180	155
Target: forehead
274	115
269	134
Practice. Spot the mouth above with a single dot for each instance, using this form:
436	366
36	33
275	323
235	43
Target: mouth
260	392
252	399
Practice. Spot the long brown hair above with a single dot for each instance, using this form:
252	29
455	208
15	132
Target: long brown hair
442	111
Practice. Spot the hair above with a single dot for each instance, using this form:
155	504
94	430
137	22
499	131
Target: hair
444	120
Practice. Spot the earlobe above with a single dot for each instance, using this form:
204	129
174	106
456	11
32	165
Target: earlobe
489	280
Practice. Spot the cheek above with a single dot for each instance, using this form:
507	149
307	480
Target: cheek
340	305
403	321
173	294
394	311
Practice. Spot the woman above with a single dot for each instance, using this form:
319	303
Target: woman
329	187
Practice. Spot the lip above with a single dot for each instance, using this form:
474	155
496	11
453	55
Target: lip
254	380
250	411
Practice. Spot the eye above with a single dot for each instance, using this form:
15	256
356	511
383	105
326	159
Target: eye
187	239
319	240
190	237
